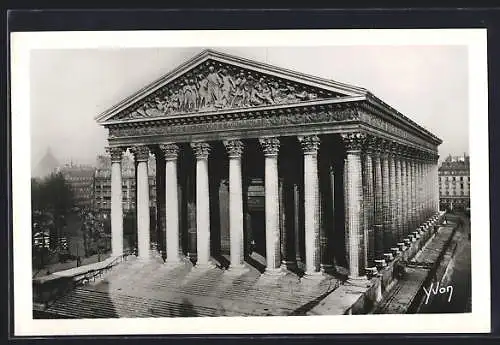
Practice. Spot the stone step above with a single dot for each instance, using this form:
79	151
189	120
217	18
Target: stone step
85	303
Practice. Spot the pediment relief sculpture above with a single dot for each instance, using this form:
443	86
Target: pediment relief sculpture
215	86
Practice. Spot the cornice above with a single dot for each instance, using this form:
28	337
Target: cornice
384	110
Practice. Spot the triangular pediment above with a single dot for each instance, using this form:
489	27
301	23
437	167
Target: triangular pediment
213	81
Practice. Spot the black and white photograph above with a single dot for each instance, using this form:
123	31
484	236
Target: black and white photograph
281	181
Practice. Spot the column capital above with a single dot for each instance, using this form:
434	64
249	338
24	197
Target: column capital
201	149
141	152
354	141
310	144
410	153
371	144
234	148
170	150
116	153
270	146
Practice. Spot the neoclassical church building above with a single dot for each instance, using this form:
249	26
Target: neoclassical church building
309	173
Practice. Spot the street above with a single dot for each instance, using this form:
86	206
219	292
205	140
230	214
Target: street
458	275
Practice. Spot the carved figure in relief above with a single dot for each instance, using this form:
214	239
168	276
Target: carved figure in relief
228	86
240	95
189	96
214	84
278	93
202	92
255	93
176	101
194	93
161	105
180	96
265	92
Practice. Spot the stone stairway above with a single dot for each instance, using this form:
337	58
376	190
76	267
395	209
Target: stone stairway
90	303
152	289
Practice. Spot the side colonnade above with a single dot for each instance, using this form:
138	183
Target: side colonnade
390	189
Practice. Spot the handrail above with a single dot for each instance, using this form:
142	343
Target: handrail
59	285
93	273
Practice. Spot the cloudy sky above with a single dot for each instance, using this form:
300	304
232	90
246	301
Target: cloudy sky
68	88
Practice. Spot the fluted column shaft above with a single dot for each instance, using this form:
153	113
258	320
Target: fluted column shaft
413	194
356	232
436	184
369	209
235	150
393	197
418	189
409	213
422	192
378	204
116	202
404	194
399	199
270	147
202	151
386	201
143	223
310	146
171	203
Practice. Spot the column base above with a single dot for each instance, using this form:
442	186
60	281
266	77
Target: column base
274	272
204	266
358	280
371	272
289	265
312	276
174	262
380	263
144	258
388	257
236	270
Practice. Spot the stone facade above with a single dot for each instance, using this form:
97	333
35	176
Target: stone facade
307	172
454	183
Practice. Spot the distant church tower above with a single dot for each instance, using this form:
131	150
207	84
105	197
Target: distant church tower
47	165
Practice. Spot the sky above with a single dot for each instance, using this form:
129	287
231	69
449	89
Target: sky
69	88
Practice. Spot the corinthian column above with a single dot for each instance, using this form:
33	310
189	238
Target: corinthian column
201	151
408	198
141	153
369	199
356	232
414	192
116	201
270	147
435	174
171	203
399	196
392	194
378	201
420	218
386	197
310	145
235	149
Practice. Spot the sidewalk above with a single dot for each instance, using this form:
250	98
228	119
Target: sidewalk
406	291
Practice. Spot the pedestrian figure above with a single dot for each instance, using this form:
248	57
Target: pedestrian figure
78	261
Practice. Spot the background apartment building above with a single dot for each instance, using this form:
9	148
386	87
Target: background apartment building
454	183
